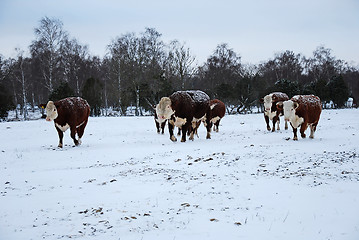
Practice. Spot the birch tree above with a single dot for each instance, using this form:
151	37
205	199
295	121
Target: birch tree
50	37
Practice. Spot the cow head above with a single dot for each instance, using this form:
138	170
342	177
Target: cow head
51	111
267	101
289	108
163	109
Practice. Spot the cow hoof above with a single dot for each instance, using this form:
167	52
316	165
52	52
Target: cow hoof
268	128
173	139
311	136
295	139
182	140
273	130
60	145
303	135
286	128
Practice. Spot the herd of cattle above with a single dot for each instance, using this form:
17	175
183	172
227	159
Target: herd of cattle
186	110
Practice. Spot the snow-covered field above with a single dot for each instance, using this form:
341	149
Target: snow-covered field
127	182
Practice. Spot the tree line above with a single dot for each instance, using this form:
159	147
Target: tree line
140	68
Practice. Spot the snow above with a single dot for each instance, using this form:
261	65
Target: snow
198	96
128	182
307	99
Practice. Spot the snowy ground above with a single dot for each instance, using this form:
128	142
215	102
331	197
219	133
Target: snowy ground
127	182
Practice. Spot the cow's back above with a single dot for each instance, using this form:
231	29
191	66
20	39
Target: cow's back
310	107
190	103
73	110
218	108
201	103
279	96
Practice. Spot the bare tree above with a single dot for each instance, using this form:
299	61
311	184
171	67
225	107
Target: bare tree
21	78
73	57
182	62
50	37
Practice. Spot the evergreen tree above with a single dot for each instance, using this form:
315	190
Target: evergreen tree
6	103
286	86
338	91
62	91
92	92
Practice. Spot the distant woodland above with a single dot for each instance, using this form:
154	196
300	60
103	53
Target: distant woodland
139	69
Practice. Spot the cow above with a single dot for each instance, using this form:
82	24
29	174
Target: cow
303	111
218	110
71	112
184	109
270	109
160	124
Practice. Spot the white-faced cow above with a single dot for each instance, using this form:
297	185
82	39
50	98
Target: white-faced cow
73	113
303	111
270	109
184	109
218	110
160	123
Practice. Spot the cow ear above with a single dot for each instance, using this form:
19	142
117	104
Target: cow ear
279	105
295	105
261	100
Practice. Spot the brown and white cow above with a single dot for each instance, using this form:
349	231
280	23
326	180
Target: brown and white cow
218	110
184	109
270	109
303	111
73	113
160	123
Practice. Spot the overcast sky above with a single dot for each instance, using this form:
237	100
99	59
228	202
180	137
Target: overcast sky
254	29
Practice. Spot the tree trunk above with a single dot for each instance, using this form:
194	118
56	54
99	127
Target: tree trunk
23	90
119	88
137	90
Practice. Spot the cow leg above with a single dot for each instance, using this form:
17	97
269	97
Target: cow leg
267	122
196	126
61	136
163	127
179	132
313	127
275	118
285	124
157	126
217	125
278	122
295	138
189	130
73	135
303	127
185	127
170	129
192	130
208	126
81	130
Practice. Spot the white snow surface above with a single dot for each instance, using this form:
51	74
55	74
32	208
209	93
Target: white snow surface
127	182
